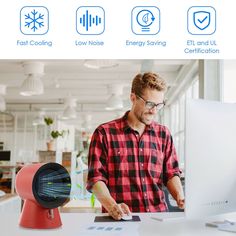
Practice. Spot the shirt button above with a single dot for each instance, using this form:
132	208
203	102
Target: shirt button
142	164
141	150
143	179
148	210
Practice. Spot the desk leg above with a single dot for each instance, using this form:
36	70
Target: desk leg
13	180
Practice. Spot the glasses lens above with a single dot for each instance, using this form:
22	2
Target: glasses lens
160	106
150	105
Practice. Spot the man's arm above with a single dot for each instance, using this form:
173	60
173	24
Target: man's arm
103	195
176	190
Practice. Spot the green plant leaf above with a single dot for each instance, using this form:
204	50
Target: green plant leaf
48	120
92	200
55	133
79	186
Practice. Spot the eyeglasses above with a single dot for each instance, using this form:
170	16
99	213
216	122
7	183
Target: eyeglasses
150	105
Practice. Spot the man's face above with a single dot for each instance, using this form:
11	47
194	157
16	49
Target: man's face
142	104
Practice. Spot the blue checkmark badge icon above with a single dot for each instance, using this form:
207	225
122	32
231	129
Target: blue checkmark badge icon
202	19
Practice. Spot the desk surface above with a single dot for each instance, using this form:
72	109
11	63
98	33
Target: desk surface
74	222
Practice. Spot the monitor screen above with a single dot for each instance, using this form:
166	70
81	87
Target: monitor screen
5	155
210	158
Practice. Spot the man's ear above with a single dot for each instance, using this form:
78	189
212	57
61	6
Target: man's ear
132	97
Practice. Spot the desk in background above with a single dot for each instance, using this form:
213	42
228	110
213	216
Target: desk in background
81	206
12	175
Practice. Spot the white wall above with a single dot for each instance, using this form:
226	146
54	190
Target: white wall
229	81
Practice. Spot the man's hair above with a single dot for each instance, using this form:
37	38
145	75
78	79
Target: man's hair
148	80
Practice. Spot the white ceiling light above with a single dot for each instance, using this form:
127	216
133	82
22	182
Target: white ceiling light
70	109
100	64
69	113
115	101
32	85
87	122
39	120
2	100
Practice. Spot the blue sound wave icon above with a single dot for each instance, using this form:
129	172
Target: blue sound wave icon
90	20
87	20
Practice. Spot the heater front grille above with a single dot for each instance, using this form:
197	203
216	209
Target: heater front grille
52	185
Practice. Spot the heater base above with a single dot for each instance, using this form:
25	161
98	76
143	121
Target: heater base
35	217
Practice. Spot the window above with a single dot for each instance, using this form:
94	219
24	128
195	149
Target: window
229	81
177	117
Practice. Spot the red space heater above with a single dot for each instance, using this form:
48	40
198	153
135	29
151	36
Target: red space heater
43	187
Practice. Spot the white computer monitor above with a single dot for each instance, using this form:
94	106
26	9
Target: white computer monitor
210	158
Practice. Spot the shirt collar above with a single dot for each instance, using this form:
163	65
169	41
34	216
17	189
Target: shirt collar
126	126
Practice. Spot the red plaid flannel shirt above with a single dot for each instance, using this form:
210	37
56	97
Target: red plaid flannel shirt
134	168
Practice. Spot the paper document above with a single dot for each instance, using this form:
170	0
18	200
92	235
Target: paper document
229	226
103	229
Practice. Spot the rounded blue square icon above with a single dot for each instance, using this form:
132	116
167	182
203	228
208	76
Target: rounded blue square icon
90	20
201	20
145	20
34	20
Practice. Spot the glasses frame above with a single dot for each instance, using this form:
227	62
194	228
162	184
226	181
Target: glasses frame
150	105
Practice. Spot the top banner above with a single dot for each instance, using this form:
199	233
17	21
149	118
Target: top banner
62	29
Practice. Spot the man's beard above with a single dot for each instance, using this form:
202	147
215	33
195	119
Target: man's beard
141	118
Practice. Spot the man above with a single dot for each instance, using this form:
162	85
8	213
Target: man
132	157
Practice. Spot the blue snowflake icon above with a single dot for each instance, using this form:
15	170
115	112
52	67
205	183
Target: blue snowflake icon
34	20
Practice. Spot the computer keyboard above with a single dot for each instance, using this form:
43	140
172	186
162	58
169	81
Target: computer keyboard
168	216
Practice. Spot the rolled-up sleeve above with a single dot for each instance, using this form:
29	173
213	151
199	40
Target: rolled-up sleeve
171	164
97	159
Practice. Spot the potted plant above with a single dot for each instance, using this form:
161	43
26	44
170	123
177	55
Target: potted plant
53	134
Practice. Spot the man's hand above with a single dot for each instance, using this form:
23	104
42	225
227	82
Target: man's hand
116	211
176	190
180	202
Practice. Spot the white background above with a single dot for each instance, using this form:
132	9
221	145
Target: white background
62	30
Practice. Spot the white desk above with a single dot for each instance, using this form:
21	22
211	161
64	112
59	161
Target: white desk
73	222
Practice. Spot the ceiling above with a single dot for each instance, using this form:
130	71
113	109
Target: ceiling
63	78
